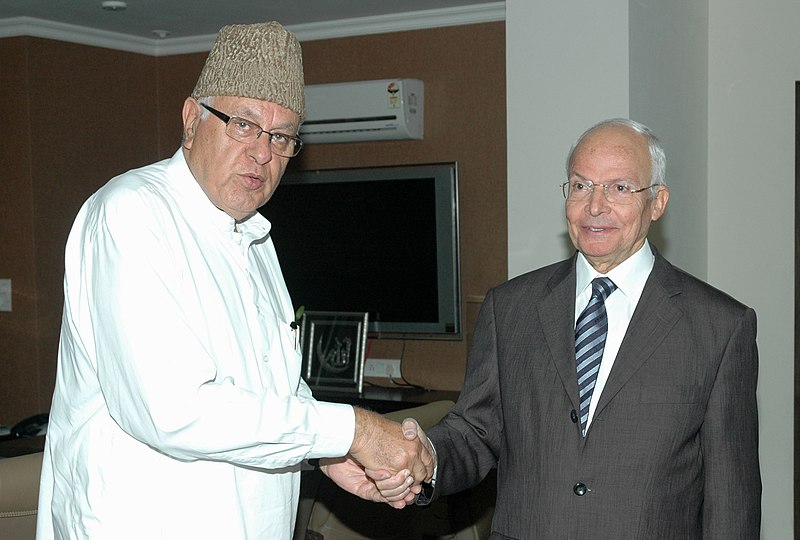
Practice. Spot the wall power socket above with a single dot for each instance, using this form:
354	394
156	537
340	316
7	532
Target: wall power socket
382	367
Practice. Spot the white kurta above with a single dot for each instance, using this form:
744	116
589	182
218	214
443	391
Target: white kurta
179	411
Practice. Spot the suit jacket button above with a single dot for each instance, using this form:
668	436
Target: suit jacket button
573	415
580	489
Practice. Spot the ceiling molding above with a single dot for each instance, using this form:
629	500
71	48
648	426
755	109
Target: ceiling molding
413	20
29	26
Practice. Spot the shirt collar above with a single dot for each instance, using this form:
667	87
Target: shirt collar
197	203
629	276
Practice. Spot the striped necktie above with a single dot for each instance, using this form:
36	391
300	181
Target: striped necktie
590	339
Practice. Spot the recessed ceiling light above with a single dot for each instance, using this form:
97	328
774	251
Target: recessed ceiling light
114	5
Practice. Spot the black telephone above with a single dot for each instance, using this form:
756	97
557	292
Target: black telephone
31	426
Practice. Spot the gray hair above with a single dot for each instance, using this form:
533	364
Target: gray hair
658	159
209	100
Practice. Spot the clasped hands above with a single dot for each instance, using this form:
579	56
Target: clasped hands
387	461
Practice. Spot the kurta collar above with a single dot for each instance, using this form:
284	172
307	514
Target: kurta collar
197	203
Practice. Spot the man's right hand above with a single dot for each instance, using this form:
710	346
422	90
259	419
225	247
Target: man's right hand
411	431
383	445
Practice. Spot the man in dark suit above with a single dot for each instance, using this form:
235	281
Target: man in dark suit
658	441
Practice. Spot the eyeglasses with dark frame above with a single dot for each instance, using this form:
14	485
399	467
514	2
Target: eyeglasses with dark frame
246	131
618	192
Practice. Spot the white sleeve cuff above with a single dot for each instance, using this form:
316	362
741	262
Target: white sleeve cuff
336	423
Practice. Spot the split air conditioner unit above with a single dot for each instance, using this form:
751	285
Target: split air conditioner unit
387	109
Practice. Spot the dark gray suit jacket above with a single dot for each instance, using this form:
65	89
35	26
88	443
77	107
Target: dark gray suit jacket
672	451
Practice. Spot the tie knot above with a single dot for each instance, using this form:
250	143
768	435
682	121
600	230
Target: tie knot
602	287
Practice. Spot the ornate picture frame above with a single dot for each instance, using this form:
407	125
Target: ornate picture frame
334	346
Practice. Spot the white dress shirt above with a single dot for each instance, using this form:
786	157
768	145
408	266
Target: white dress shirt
179	411
629	277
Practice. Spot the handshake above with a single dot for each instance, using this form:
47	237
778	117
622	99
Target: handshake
387	461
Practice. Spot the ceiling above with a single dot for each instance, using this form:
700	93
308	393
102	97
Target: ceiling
187	20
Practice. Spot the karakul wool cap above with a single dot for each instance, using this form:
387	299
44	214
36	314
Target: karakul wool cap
260	61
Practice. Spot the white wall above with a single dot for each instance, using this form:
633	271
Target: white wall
715	79
567	68
754	61
669	82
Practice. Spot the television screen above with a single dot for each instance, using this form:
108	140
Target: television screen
382	240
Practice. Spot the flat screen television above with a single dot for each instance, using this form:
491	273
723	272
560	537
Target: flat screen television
383	240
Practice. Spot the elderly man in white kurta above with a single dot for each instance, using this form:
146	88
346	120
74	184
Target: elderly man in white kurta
179	411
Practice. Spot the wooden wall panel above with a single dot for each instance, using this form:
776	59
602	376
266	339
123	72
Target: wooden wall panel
177	76
19	375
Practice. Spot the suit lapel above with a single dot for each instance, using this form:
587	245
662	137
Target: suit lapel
654	317
557	314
